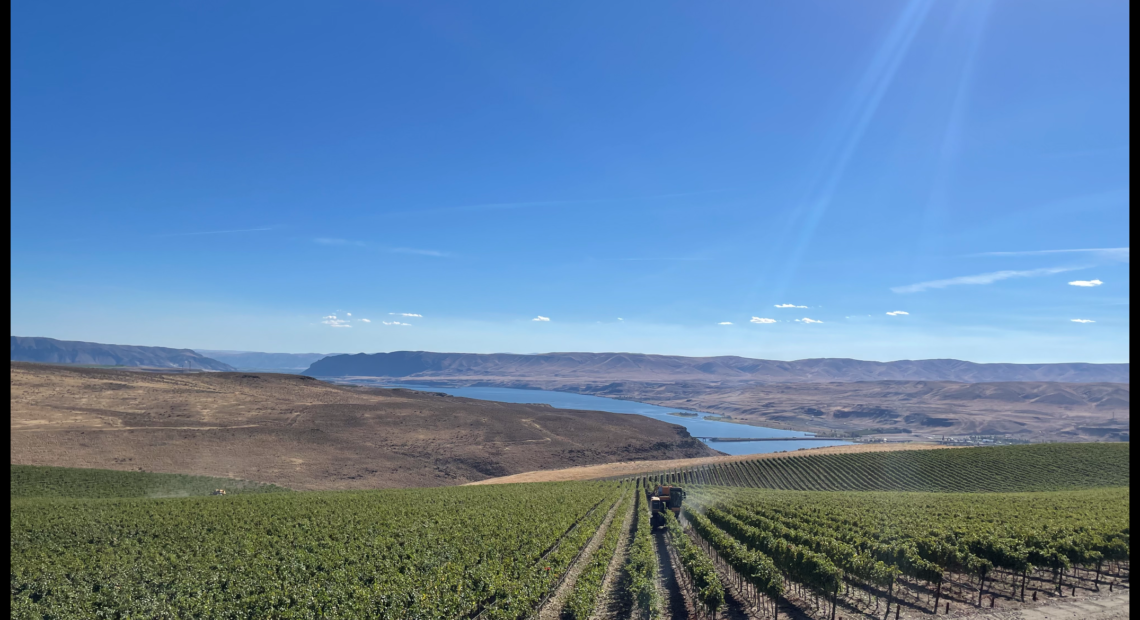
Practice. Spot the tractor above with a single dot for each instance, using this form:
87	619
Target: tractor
661	499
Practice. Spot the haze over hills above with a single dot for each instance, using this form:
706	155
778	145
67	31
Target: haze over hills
642	367
52	351
252	360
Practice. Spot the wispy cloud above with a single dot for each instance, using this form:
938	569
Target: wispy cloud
396	323
620	319
807	320
757	319
897	313
332	321
530	204
1116	254
725	323
366	320
411	314
335	241
981	278
214	232
541	319
1083	321
419	252
789	306
1086	283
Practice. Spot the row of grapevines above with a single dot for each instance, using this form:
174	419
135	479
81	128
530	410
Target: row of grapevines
757	569
588	588
641	563
857	562
798	563
555	565
701	571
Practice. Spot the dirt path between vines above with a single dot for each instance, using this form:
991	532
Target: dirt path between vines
629	468
1109	606
612	605
674	603
553	607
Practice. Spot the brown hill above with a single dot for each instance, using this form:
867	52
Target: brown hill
642	367
305	434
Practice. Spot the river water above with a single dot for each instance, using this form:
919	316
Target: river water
697	426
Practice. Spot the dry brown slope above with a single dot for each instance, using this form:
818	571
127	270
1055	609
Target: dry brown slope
607	470
305	434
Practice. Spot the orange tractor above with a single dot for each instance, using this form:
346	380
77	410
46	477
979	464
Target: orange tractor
661	499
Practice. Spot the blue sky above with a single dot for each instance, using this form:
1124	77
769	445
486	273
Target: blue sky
229	176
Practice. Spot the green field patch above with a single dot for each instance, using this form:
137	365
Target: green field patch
66	482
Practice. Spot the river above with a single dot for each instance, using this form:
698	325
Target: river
697	425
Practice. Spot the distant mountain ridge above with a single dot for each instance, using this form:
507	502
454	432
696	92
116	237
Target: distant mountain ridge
644	367
52	351
252	360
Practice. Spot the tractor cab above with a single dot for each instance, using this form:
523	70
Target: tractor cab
661	499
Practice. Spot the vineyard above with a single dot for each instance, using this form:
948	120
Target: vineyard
33	481
88	543
1041	467
465	552
862	553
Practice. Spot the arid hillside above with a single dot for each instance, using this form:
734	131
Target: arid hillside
301	433
1035	410
1032	410
608	367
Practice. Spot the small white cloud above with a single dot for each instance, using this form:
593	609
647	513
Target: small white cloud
541	318
366	320
332	321
411	314
789	306
1083	321
620	319
348	314
757	319
807	320
396	323
1085	283
897	313
725	323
